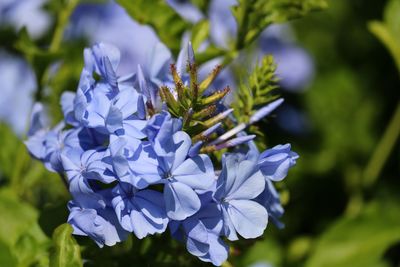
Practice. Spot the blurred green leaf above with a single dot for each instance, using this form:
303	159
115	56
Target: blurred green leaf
268	251
16	217
388	32
211	52
392	18
20	232
66	251
6	257
334	96
30	250
52	215
200	33
253	16
39	59
359	241
202	4
8	142
158	14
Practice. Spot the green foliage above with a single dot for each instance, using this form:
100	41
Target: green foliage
255	15
266	250
193	104
359	241
8	153
19	233
388	31
257	91
158	14
66	251
200	33
6	256
38	58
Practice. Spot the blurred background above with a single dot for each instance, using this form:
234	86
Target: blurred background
341	115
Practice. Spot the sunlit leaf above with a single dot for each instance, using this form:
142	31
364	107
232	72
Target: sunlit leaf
359	241
66	251
255	15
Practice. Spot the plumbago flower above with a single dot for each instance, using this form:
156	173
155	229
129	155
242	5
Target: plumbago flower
136	156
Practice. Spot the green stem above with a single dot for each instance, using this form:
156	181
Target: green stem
54	47
383	149
62	20
226	264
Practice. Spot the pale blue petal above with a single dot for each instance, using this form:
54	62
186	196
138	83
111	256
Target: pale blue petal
249	218
180	201
196	172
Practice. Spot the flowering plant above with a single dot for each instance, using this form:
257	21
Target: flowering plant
141	155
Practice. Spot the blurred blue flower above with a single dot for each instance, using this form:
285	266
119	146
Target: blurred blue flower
25	13
17	91
186	10
110	23
295	67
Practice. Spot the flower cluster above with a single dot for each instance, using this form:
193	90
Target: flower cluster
133	166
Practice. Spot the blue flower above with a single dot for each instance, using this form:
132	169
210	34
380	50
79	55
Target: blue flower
99	224
139	211
109	105
275	163
164	160
82	170
47	144
202	233
239	183
269	198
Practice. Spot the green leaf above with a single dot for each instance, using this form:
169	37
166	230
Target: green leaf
158	14
8	152
66	251
20	232
257	91
253	16
16	217
203	5
6	257
388	32
200	33
38	58
392	18
267	251
359	241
